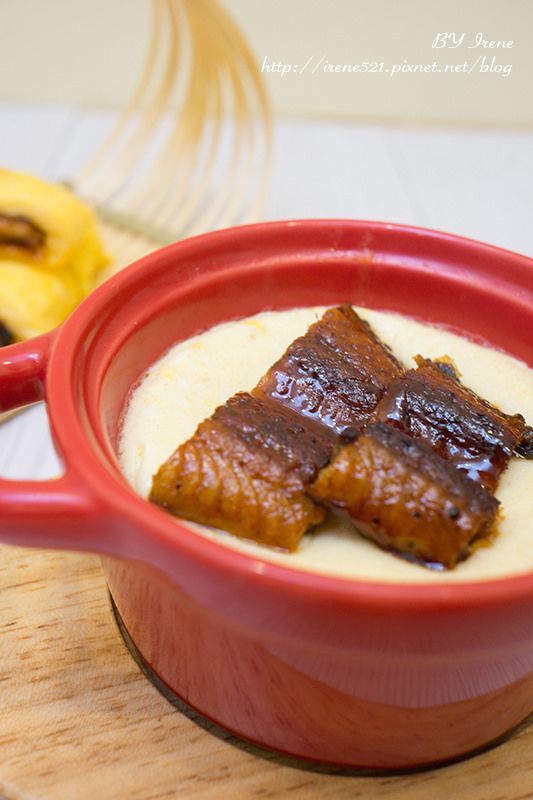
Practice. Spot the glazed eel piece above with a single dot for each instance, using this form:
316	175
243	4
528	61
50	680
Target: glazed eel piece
244	471
398	492
335	373
417	458
432	404
246	468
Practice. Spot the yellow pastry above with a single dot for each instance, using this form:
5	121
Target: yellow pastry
50	253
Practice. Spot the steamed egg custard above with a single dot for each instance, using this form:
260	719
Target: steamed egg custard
198	375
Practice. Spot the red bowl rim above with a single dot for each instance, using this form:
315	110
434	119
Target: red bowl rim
162	529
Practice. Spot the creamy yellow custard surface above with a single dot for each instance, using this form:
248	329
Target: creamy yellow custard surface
198	375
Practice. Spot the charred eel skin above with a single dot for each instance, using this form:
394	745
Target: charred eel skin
398	492
246	468
431	403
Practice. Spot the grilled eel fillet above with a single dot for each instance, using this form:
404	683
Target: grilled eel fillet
335	373
246	468
266	465
431	403
244	471
402	495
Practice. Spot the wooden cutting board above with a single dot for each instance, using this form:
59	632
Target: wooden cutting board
79	720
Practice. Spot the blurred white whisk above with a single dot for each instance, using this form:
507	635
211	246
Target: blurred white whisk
190	151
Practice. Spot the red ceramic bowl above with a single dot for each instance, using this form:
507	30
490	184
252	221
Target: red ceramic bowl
344	672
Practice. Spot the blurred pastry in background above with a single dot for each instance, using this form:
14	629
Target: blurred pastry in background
50	255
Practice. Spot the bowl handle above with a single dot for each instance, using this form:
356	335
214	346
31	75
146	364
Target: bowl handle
56	513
